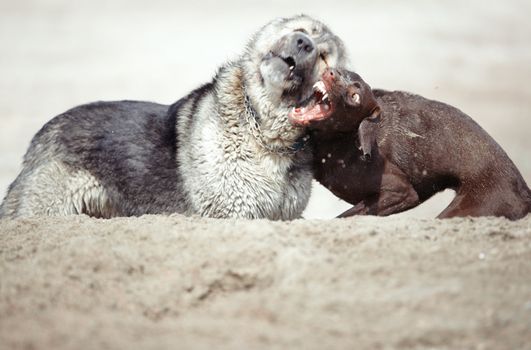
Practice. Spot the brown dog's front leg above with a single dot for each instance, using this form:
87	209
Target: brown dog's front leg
396	194
395	200
358	209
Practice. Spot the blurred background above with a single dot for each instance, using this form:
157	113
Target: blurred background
56	54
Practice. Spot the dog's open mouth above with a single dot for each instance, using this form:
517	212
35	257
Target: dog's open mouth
291	65
317	107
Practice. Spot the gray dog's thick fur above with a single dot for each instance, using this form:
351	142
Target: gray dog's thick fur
202	155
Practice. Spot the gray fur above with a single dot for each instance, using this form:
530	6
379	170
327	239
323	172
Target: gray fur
200	155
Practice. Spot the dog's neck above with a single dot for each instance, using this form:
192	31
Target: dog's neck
237	110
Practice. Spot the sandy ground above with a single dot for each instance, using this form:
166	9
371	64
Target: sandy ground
56	54
177	282
406	282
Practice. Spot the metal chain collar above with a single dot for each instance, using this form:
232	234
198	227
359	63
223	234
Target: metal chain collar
252	120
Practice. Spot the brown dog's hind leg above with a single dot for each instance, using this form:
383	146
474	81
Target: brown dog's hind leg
495	203
396	195
460	206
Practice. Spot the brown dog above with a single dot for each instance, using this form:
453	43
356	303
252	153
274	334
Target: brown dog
407	148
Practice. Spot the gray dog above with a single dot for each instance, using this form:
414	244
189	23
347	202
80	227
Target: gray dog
225	150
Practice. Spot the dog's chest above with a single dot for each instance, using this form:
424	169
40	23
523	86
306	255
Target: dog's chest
230	182
276	187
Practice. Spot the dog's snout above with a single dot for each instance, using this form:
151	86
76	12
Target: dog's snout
330	74
300	47
303	43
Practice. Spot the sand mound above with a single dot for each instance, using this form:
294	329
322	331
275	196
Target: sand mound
361	283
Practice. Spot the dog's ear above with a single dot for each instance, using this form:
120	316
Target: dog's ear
376	112
367	133
366	137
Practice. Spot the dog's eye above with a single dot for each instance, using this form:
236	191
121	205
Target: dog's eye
358	85
302	30
322	56
355	98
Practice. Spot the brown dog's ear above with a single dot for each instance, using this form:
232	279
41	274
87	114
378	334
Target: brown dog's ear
375	113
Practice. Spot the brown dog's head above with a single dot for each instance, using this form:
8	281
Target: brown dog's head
341	100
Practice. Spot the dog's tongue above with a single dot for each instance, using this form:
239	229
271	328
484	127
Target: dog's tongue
317	108
312	112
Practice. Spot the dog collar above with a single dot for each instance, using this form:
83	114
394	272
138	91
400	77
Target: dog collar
252	119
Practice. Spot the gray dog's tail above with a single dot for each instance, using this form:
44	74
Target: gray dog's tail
527	198
528	201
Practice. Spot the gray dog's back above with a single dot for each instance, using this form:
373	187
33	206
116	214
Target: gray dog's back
121	153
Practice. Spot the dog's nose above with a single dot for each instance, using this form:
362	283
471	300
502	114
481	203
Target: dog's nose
300	47
330	74
303	43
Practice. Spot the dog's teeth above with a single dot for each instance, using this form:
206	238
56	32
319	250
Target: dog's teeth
320	86
325	97
356	98
291	67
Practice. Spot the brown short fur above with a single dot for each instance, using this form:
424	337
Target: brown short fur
417	147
